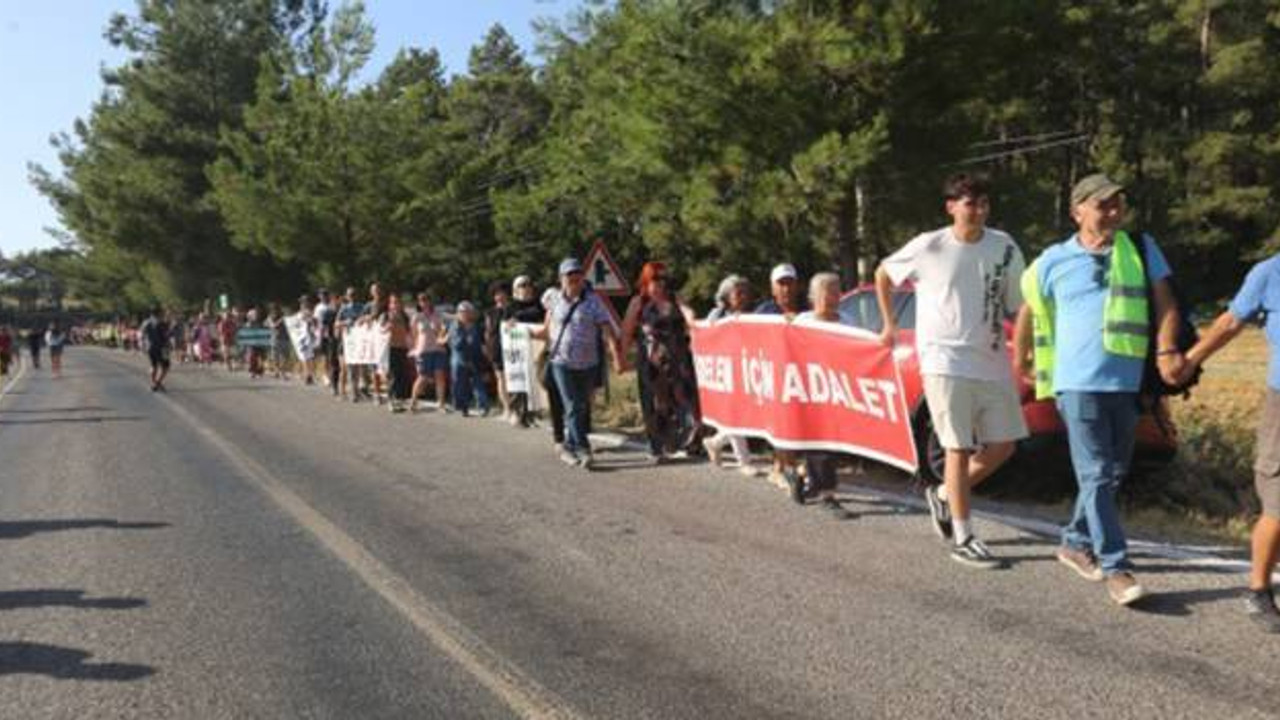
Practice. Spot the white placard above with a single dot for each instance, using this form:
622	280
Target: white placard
304	343
366	344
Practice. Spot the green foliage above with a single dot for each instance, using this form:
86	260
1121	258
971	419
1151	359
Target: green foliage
237	150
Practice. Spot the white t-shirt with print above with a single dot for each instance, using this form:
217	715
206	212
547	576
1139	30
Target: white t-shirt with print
964	292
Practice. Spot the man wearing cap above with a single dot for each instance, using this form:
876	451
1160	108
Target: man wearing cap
966	285
574	316
1087	315
784	284
785	300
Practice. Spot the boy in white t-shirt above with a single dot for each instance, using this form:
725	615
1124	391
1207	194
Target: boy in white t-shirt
966	283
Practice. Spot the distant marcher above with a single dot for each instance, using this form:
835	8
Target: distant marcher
820	467
573	324
555	403
966	279
1087	297
56	339
395	322
6	349
255	354
349	315
326	315
279	340
493	319
227	328
466	360
429	337
376	308
664	362
204	333
1259	297
526	309
310	338
178	338
34	341
154	333
732	299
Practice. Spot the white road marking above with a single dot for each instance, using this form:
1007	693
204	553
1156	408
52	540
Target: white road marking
521	693
22	370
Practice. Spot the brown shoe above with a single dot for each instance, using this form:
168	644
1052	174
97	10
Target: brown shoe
1124	589
1082	561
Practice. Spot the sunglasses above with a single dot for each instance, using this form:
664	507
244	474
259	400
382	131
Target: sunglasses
1101	266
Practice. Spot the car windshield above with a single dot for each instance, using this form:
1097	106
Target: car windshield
861	310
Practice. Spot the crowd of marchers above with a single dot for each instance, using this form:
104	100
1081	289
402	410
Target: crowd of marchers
1097	322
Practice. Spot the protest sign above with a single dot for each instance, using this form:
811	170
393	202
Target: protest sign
247	337
804	386
520	363
366	344
304	343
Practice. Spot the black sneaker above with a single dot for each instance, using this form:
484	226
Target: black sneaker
834	507
939	512
974	553
1260	606
795	484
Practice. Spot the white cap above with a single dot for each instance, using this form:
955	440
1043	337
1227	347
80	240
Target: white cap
783	271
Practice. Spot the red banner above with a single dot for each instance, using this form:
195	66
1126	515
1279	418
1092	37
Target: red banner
804	385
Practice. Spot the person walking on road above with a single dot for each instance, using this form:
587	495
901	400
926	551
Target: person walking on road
429	336
326	315
6	350
573	322
820	467
348	316
732	298
227	327
466	360
56	340
664	361
395	322
966	278
524	308
34	340
1088	316
155	334
785	300
493	319
1258	297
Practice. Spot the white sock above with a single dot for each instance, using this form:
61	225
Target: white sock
942	492
960	530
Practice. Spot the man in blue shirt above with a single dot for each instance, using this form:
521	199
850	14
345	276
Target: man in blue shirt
1259	296
1096	342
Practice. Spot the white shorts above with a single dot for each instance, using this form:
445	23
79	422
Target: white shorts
967	412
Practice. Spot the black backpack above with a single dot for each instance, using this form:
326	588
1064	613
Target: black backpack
1152	384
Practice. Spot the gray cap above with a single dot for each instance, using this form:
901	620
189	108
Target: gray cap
1096	186
570	265
466	306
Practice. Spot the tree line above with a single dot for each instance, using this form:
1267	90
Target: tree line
240	150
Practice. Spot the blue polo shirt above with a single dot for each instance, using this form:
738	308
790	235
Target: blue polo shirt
1075	280
1259	296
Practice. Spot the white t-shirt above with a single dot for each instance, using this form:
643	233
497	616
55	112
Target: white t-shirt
964	291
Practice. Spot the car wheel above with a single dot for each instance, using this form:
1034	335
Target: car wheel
928	448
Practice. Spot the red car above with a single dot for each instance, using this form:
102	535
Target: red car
1156	441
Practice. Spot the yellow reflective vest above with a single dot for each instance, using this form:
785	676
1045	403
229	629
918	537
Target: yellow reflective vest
1126	326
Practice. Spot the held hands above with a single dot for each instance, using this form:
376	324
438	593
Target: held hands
1174	368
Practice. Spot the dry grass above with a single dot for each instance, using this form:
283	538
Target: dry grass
1211	483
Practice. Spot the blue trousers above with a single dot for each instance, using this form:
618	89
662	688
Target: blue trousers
575	392
1100	428
467	385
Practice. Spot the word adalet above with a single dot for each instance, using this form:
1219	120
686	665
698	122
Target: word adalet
810	384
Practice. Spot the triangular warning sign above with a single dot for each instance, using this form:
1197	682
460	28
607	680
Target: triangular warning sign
603	273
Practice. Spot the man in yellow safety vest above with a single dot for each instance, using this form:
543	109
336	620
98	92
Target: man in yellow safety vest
1087	297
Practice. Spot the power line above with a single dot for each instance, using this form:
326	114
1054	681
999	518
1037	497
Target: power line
1021	151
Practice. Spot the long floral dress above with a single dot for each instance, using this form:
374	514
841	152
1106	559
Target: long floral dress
667	381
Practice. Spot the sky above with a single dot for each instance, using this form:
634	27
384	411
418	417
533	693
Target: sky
51	52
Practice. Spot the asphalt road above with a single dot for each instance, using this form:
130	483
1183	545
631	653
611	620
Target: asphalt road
251	549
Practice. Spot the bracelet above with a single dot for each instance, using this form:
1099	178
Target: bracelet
1172	351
